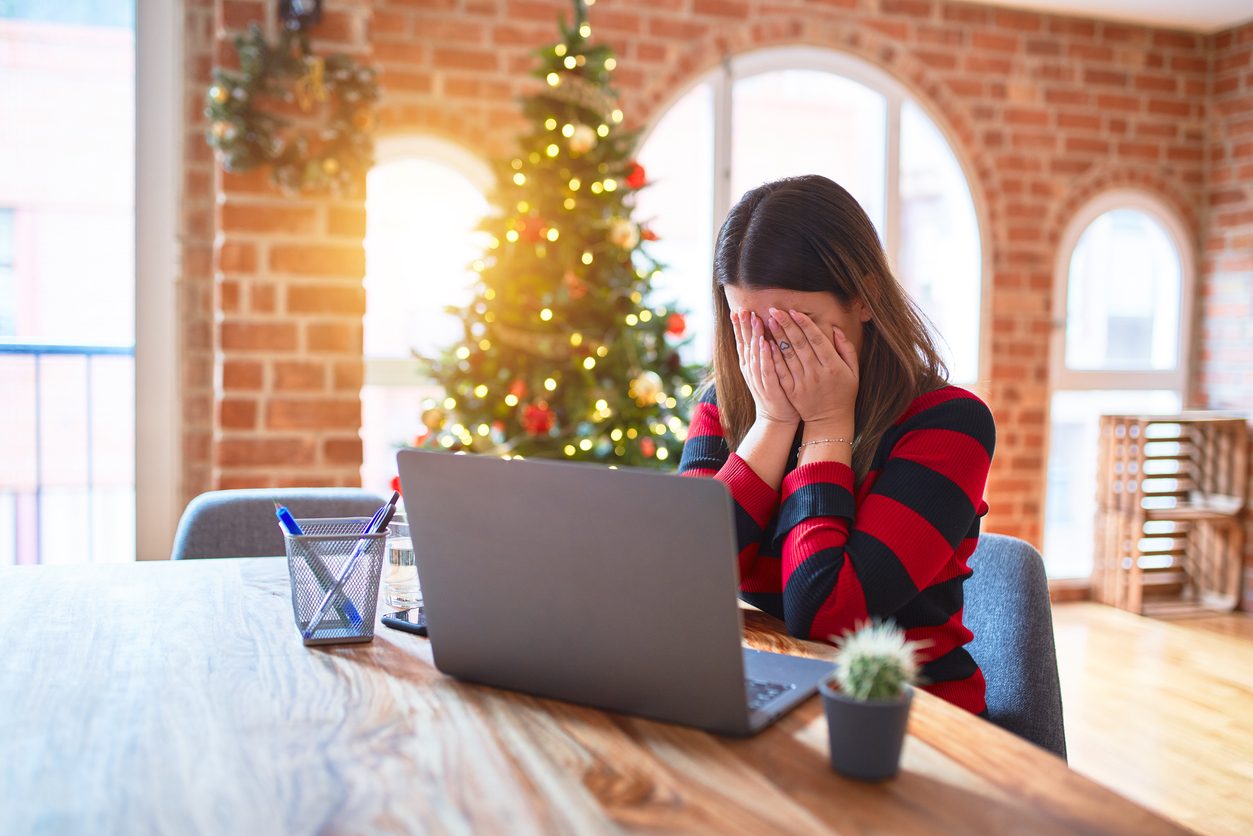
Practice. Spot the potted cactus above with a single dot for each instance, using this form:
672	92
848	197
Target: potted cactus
867	700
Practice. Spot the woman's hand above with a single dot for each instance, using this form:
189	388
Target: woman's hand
761	364
819	374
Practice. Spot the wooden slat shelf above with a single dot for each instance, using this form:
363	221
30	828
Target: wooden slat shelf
1198	487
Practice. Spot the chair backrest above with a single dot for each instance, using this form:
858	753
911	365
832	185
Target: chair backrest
241	523
1007	608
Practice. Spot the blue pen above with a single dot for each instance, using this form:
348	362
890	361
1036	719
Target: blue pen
288	523
377	523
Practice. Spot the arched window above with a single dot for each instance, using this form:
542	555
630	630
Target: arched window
423	200
1123	294
802	110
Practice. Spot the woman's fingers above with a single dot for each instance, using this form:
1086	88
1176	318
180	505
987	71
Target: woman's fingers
737	331
846	350
791	341
822	347
781	371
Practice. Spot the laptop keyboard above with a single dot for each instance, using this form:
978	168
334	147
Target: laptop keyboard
760	693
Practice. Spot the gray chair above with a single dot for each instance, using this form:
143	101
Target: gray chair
1007	608
241	523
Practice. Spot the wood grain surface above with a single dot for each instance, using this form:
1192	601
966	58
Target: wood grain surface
178	698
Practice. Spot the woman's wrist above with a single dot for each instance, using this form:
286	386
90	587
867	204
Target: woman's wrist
829	428
826	441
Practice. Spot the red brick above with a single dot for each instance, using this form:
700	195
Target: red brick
1157	83
300	376
335	337
1082	121
228	296
237	257
342	451
318	260
313	413
258	336
1083	145
672	28
1020	21
448	58
348	376
260	452
346	221
910	8
720	8
242	374
264	218
1170	107
326	298
237	413
1108	77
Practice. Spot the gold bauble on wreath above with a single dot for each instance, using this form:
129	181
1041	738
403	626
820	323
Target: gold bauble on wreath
306	116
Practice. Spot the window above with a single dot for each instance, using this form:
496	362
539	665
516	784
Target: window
424	199
67	281
8	275
1120	349
801	110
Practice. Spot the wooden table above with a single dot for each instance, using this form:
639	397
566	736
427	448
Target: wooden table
178	698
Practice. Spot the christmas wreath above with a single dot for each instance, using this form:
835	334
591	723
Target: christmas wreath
326	150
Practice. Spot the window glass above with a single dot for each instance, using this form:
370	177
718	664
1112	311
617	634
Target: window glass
790	122
1122	300
8	276
420	241
677	177
67	281
939	261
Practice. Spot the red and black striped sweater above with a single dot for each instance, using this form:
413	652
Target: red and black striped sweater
825	555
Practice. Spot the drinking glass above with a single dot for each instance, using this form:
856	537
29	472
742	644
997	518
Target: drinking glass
401	588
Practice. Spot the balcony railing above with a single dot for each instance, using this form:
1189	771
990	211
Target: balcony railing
67	453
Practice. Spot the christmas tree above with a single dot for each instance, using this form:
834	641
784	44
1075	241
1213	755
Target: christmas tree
565	354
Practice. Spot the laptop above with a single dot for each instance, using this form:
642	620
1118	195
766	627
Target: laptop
614	588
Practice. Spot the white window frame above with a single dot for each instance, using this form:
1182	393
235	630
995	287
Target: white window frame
1176	379
159	130
772	59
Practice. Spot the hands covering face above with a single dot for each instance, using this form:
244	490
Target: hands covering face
799	373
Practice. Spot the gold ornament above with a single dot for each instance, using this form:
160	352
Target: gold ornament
220	129
624	234
434	419
646	389
583	139
311	87
363	120
218	94
331	166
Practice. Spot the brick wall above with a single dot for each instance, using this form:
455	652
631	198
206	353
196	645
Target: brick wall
1048	110
1226	378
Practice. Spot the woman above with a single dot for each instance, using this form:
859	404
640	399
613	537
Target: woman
857	471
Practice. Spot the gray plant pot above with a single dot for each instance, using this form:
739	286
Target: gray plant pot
865	737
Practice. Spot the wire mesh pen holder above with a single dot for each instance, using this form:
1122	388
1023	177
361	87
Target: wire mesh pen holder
334	554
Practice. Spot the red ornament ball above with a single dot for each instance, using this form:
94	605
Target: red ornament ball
537	418
518	389
676	324
648	447
531	229
648	235
635	179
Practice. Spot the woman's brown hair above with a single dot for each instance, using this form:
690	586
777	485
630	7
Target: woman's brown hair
808	234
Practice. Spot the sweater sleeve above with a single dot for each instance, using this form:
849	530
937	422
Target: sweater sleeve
705	453
845	561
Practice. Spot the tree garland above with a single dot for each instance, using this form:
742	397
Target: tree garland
334	153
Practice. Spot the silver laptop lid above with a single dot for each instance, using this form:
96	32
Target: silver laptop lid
614	588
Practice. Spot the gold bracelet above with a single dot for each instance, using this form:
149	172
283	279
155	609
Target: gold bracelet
825	441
